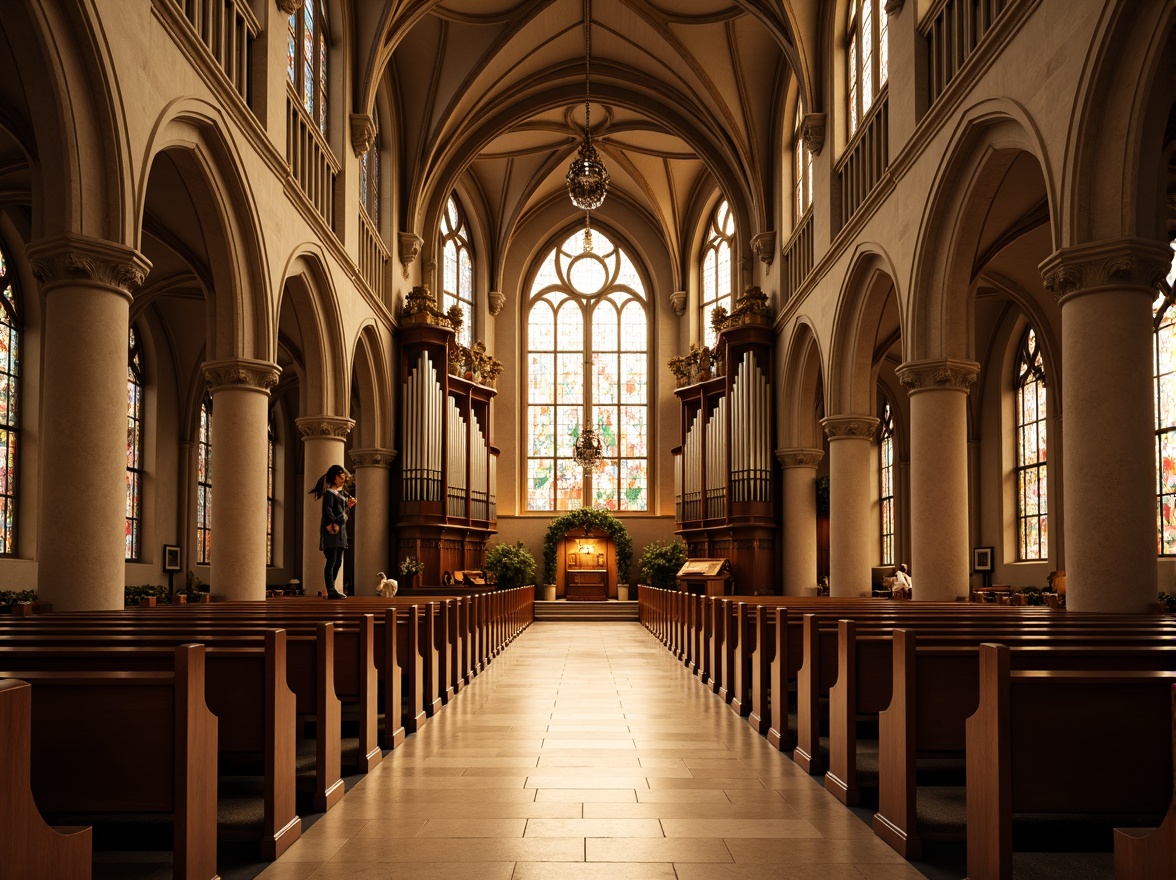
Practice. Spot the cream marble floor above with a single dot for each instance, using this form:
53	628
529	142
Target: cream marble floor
585	751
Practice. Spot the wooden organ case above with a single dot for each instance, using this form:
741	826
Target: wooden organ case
725	481
446	479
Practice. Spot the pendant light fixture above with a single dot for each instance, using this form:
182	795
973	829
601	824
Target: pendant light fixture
587	177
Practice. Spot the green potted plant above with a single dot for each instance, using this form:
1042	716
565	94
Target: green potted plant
412	568
661	561
511	564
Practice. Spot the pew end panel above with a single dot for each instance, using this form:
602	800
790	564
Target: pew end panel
33	850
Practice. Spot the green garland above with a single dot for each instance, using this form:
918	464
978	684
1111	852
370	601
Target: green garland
594	520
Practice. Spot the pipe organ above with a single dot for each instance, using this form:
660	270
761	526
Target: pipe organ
724	475
446	503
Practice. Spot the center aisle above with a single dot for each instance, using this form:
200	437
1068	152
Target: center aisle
587	751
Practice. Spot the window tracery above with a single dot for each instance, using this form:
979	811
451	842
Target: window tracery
717	269
457	285
134	542
10	354
307	55
1030	428
204	483
587	359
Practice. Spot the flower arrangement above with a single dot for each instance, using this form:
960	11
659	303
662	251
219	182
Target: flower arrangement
410	566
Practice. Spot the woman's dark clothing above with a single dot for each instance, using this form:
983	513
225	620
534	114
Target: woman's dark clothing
334	513
331	570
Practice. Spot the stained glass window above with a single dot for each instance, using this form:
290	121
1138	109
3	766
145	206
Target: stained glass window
802	169
1164	321
134	447
867	55
9	408
1030	419
886	493
269	492
307	54
718	267
458	274
369	178
204	484
587	362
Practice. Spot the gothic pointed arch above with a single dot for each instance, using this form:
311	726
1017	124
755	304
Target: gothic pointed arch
309	316
802	403
861	327
373	381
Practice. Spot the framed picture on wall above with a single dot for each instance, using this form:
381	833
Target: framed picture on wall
573	560
982	559
171	557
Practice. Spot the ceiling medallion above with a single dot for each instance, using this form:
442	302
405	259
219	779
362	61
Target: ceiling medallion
587	177
588	452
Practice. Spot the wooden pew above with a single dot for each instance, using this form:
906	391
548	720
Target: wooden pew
32	849
245	688
1096	764
935	688
130	742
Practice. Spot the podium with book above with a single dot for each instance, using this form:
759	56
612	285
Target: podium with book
706	577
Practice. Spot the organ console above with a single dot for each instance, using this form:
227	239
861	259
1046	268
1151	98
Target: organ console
724	470
447	466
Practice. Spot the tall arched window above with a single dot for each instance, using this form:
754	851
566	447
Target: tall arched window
9	409
1164	319
802	169
269	492
457	284
369	178
587	358
307	43
1032	509
868	55
886	490
204	483
134	447
718	267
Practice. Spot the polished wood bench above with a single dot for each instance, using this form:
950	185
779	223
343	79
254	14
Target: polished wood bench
33	850
1097	764
245	688
130	742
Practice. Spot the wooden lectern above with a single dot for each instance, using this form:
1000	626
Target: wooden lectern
708	577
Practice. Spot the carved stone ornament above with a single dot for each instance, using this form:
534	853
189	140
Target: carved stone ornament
289	6
678	302
363	133
242	373
408	248
841	427
944	374
381	458
420	307
497	300
324	426
763	245
75	257
796	458
894	7
812	132
1129	263
751	308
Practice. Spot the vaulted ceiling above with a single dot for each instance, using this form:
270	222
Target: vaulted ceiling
687	100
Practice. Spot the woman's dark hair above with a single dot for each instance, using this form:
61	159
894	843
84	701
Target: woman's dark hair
327	480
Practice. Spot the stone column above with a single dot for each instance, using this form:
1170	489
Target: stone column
370	535
1105	291
322	444
851	492
799	548
86	286
941	559
240	389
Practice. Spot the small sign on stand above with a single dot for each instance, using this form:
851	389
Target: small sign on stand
708	577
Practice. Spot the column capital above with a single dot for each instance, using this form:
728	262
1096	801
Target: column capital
850	427
381	458
812	132
496	299
798	457
942	374
81	258
245	374
289	6
324	426
1117	265
678	302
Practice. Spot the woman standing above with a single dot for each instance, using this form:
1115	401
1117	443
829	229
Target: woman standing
333	523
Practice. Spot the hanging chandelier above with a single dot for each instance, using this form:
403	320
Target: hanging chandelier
587	177
588	452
